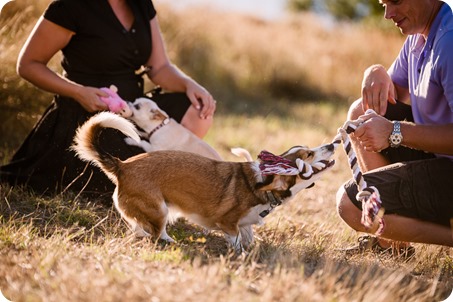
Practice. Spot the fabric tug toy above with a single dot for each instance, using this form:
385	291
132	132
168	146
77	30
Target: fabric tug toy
115	102
372	210
271	164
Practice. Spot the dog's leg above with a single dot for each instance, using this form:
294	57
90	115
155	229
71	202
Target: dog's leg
232	235
163	233
135	227
247	236
139	231
235	242
157	219
144	217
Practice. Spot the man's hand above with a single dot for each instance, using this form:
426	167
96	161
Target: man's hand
377	89
374	132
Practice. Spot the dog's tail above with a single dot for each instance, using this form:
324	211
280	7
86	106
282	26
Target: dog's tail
87	145
241	152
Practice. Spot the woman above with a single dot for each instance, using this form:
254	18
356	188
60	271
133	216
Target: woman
104	42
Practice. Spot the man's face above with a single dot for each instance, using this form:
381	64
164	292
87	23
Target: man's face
411	16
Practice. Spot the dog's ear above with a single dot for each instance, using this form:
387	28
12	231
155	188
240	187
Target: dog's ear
159	114
274	182
163	113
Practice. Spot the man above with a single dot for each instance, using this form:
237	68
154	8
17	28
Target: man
405	150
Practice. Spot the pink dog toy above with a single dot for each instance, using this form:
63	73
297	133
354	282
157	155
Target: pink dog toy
115	102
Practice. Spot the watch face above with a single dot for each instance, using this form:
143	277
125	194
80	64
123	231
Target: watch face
395	139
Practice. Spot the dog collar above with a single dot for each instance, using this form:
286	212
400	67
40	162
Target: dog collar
164	122
274	202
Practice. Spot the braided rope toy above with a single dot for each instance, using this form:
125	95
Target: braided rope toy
372	210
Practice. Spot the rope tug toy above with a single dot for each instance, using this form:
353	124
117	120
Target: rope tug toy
372	210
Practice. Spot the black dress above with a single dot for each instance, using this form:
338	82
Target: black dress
101	53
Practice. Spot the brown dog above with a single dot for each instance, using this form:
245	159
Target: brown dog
218	195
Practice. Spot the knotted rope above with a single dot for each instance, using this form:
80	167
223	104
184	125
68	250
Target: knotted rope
372	210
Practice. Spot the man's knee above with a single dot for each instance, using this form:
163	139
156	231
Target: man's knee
355	110
341	201
347	210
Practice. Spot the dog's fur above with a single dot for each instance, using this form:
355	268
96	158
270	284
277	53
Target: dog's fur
160	132
218	195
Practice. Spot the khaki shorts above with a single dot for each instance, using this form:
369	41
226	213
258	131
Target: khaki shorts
416	185
418	189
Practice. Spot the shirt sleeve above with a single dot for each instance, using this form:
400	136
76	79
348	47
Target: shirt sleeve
399	69
147	7
62	12
444	64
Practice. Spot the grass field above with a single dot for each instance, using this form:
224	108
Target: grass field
68	248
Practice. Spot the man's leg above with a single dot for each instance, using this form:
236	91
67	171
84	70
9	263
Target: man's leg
398	228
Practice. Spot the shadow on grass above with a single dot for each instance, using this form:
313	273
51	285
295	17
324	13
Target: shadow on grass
89	222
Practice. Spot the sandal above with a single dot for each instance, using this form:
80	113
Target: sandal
370	243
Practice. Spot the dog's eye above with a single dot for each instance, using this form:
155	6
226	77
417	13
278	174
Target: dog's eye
310	154
137	106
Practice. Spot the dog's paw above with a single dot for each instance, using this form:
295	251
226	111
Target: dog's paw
140	233
164	236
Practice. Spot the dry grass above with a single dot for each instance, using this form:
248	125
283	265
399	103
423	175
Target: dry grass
66	249
70	249
297	58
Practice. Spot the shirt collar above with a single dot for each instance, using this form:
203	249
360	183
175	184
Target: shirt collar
435	26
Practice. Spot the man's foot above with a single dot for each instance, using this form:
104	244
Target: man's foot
372	244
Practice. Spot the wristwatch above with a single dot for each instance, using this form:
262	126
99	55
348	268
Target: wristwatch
396	137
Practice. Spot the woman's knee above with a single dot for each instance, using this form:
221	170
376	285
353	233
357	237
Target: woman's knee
192	121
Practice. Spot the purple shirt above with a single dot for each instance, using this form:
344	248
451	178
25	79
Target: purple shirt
426	68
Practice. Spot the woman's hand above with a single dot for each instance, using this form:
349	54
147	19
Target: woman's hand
377	89
201	99
89	98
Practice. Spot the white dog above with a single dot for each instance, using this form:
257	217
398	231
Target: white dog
160	132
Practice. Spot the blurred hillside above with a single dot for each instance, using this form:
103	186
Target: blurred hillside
247	63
